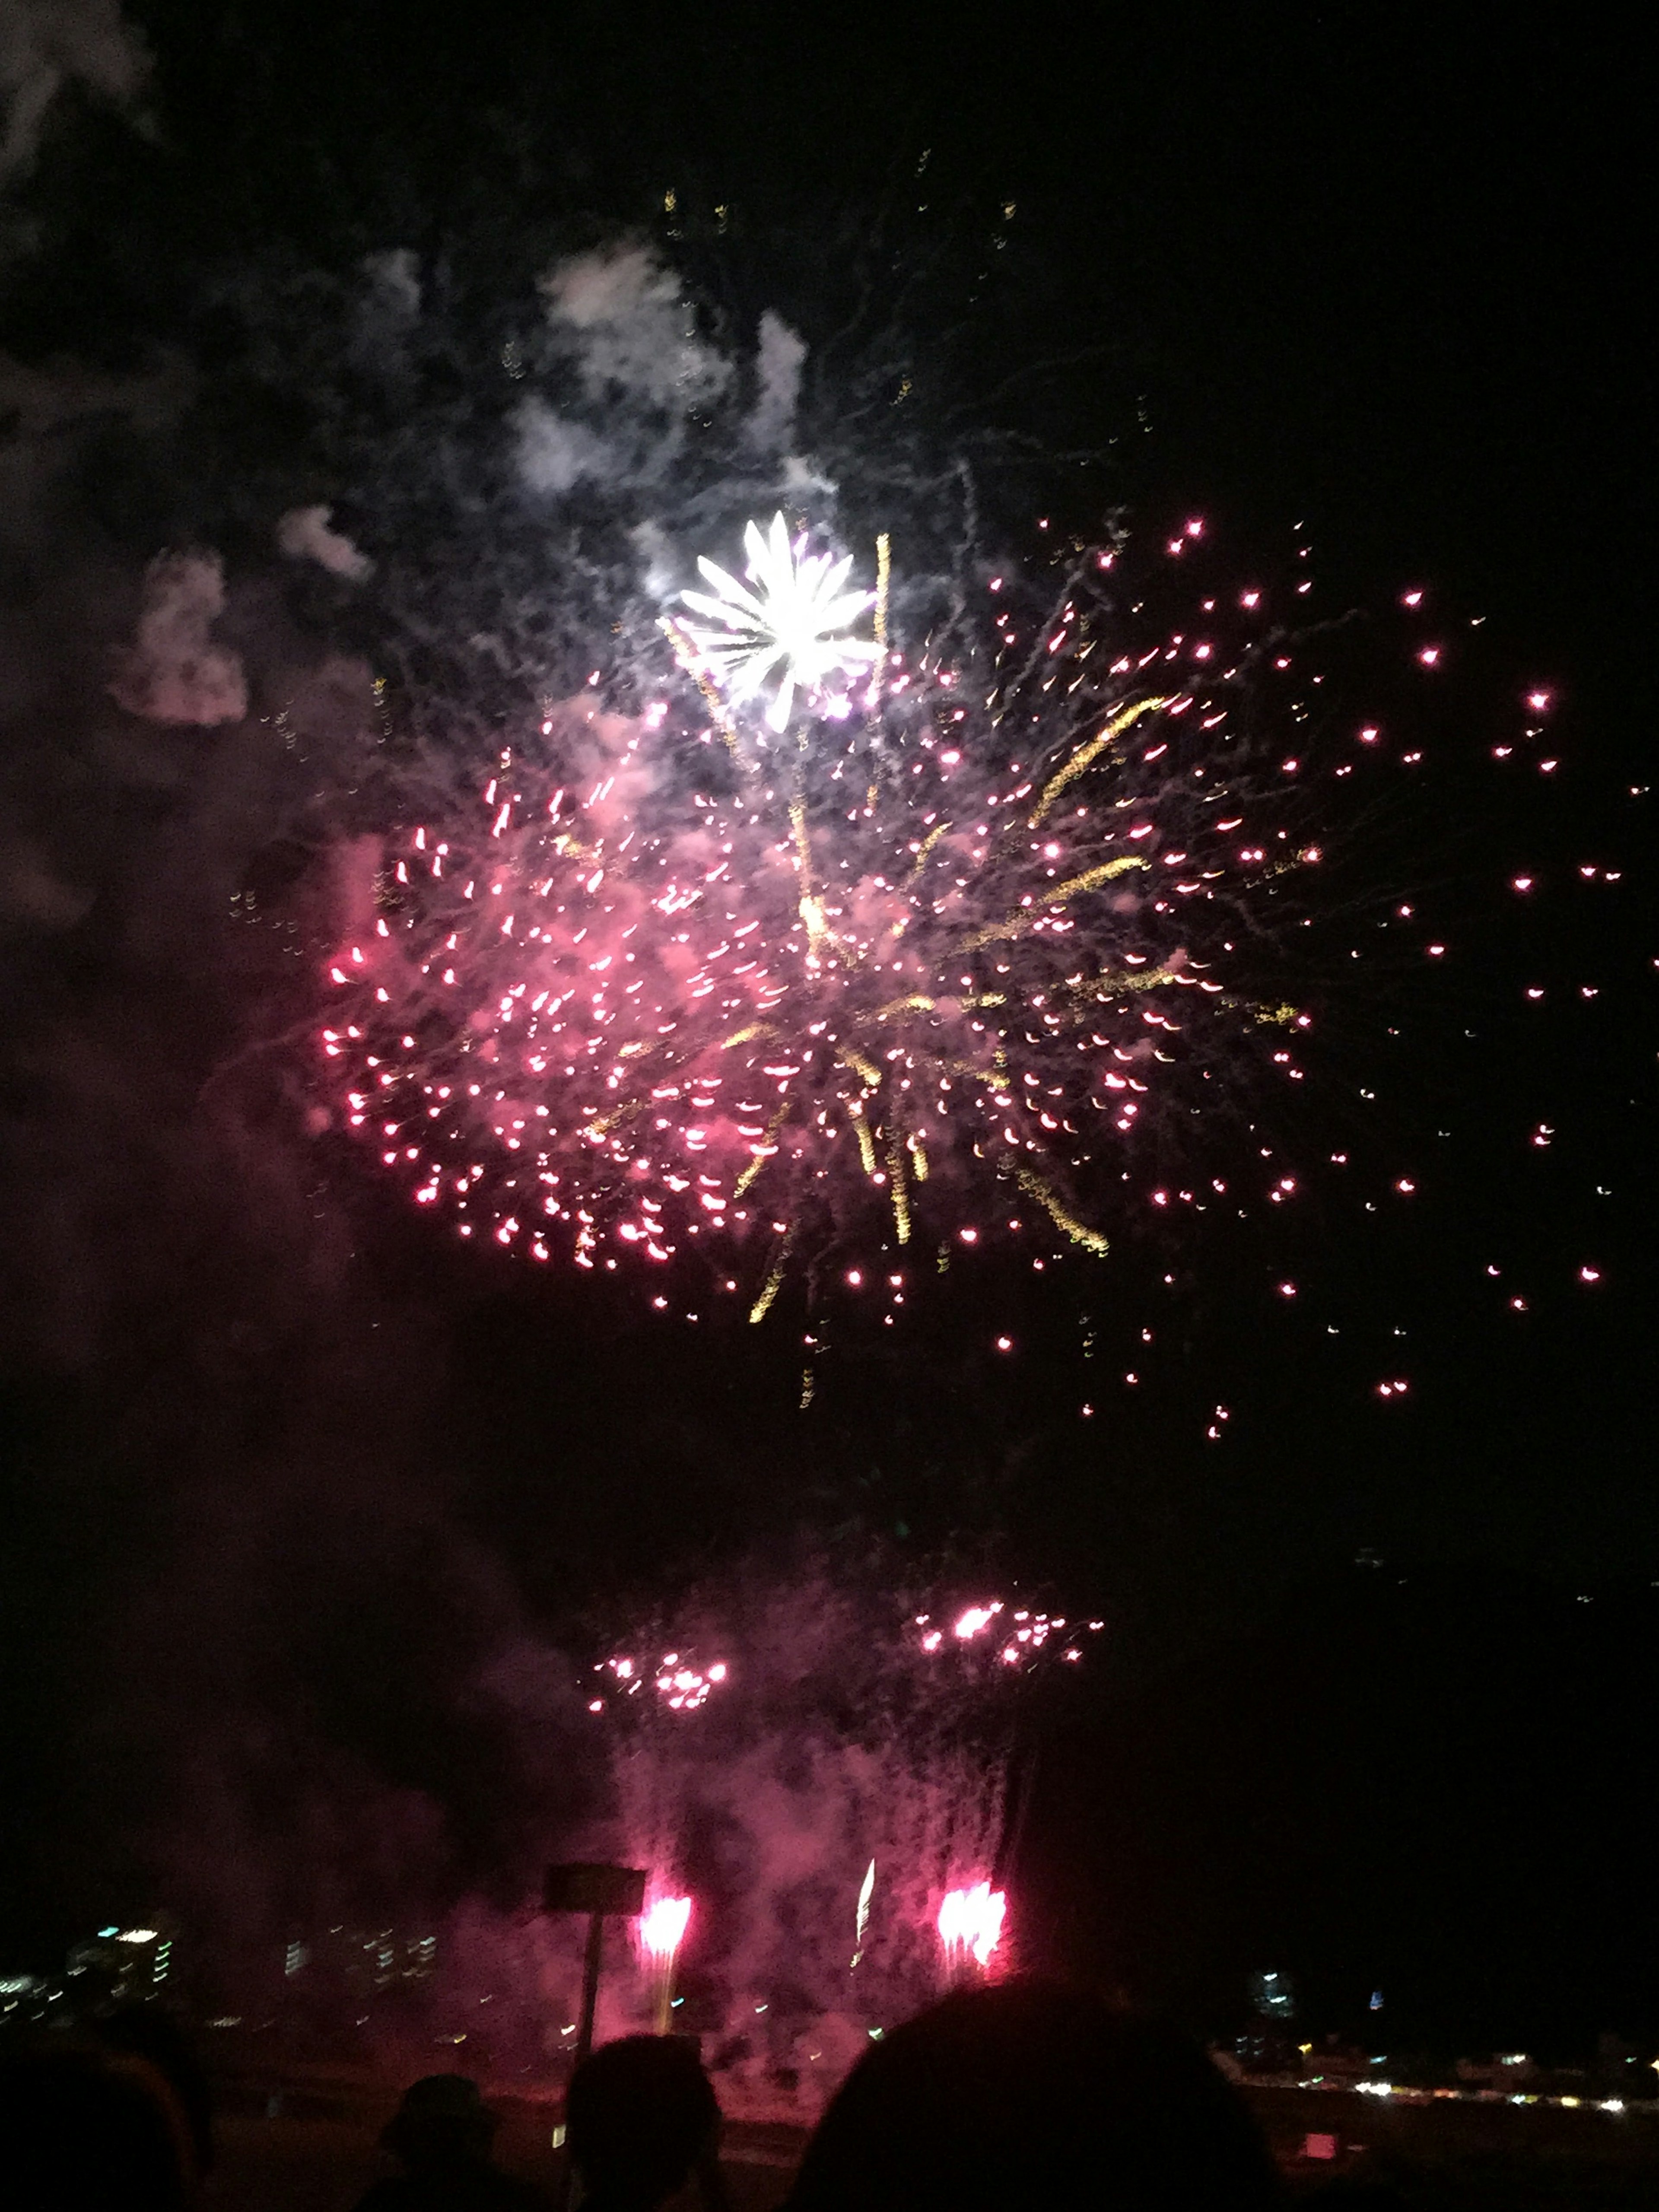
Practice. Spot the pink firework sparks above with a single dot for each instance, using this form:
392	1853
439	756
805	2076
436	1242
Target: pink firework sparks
970	1921
680	1685
673	990
1014	1636
663	1926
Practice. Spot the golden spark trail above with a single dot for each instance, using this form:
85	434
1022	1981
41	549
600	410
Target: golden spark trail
999	932
901	1196
773	1282
686	654
760	1159
1079	1231
1086	755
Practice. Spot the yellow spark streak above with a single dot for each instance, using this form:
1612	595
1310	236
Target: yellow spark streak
686	654
748	1036
884	570
850	1056
900	1195
774	1281
1079	1231
1087	754
866	1143
812	907
1092	877
998	932
603	1124
928	845
1110	982
811	912
917	1159
761	1159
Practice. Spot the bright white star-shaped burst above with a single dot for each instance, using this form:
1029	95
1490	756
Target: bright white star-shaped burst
787	629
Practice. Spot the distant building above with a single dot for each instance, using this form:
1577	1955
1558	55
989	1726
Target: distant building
1274	1995
359	1963
24	1997
1504	2071
127	1965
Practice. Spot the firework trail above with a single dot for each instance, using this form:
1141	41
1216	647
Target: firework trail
834	949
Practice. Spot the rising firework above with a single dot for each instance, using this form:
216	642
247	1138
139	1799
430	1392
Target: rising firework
677	987
662	1930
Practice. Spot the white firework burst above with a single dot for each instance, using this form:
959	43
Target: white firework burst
788	630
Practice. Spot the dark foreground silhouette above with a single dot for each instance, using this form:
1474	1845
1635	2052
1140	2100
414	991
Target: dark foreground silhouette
87	2129
640	2118
442	2135
1031	2095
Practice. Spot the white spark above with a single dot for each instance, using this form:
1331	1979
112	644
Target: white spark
787	628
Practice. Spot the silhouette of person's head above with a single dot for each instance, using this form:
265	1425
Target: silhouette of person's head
153	2038
442	2121
641	2114
82	2130
1027	2094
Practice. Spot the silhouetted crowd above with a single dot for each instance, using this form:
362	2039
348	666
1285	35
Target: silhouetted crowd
997	2099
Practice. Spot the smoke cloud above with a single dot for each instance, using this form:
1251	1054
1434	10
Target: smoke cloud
554	454
633	333
304	534
174	673
779	365
46	44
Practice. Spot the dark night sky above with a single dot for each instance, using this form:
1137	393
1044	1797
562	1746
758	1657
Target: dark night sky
286	1465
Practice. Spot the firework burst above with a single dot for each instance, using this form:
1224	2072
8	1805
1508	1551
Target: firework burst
790	628
676	988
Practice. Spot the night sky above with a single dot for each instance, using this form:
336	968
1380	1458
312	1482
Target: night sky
286	1469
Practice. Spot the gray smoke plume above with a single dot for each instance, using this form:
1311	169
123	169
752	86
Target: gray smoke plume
48	45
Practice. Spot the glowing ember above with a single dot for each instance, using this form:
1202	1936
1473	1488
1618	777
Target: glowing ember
970	1921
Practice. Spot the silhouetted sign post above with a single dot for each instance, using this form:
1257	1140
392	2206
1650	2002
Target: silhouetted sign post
602	1892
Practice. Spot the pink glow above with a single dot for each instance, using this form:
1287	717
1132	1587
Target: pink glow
663	1925
971	1920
